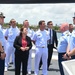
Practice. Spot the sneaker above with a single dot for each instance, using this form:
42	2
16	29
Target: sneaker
29	73
5	69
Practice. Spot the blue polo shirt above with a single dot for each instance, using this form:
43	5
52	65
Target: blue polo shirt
63	42
2	39
72	40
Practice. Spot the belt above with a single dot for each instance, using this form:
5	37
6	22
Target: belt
3	47
50	44
41	46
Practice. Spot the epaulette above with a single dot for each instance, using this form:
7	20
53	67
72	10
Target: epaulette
67	33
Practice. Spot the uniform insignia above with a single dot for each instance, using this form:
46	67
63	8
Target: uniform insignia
67	34
38	35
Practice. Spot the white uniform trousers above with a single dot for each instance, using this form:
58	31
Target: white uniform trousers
29	61
12	58
41	52
9	50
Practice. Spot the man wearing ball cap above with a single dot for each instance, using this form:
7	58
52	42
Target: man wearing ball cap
2	40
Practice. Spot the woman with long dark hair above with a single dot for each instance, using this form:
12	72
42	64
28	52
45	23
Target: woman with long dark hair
22	45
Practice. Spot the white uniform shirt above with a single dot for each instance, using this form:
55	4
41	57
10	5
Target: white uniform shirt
30	33
41	38
11	33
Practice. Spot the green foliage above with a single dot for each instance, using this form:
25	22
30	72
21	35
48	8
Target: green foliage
56	27
34	27
19	25
6	25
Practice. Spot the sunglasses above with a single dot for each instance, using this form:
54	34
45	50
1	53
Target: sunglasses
50	24
13	21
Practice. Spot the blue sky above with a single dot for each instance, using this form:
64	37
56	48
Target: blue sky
58	13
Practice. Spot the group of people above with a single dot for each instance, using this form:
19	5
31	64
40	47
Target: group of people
18	43
66	45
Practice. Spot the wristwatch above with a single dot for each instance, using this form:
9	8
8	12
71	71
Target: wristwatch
2	52
67	55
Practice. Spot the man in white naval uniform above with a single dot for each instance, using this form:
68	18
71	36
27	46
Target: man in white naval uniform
40	39
30	34
10	35
12	55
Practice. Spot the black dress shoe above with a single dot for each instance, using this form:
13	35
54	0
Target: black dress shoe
50	63
11	63
48	69
32	72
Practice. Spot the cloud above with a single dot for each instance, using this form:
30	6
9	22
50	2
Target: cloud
58	13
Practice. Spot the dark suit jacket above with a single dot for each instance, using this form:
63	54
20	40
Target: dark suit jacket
55	41
18	43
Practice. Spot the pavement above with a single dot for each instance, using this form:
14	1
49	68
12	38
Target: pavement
54	70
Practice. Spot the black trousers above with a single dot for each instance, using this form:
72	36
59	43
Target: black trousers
73	57
21	58
60	59
50	52
2	63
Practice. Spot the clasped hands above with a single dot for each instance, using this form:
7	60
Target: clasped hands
66	57
3	55
24	48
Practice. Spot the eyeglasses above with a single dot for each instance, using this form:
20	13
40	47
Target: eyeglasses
13	21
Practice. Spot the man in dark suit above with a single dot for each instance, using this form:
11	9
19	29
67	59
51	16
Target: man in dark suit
51	44
53	41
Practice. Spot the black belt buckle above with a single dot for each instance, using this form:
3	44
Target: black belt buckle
43	47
